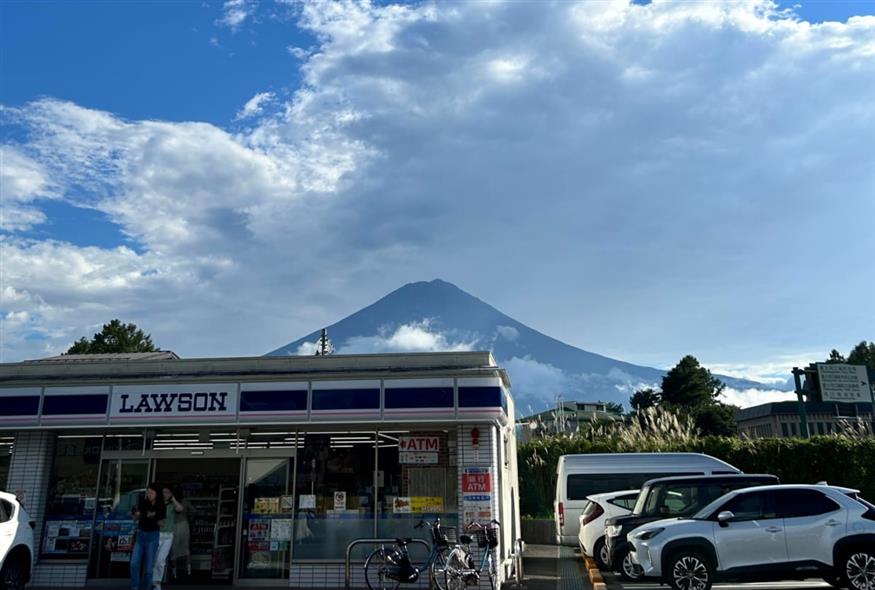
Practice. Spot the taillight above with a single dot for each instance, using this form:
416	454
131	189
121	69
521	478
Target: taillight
596	512
561	514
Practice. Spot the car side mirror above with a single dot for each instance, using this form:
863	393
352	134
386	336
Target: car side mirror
725	517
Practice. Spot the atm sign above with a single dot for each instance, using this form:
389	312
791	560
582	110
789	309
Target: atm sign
419	444
476	481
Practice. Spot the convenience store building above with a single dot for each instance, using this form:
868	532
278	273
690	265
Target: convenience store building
281	462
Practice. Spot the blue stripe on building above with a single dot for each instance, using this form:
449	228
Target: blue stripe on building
419	397
480	397
70	405
346	399
273	401
19	405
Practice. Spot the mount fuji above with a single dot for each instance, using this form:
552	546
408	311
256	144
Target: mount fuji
438	316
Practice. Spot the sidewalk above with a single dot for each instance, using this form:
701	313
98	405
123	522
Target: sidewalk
549	567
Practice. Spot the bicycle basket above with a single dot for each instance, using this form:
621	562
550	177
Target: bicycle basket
443	536
487	537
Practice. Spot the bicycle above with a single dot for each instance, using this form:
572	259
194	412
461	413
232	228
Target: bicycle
388	569
461	570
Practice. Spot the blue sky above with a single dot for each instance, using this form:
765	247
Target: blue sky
671	178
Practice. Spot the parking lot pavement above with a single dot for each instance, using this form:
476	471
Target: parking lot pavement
614	582
548	567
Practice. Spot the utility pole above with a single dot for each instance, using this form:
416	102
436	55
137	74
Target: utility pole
324	346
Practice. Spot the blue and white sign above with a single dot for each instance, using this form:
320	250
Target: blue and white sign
177	402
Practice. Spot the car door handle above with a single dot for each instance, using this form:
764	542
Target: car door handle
774	529
832	523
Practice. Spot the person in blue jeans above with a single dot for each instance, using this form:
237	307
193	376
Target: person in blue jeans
149	513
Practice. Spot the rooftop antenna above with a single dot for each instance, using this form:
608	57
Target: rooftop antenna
324	346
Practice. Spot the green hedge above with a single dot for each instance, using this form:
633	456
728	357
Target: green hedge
837	460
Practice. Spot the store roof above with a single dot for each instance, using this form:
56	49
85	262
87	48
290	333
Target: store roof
158	355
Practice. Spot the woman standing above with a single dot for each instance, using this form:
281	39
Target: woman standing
149	514
165	539
182	537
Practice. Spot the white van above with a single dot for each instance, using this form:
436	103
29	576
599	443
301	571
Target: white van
579	476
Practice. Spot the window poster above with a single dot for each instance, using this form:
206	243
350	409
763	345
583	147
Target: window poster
281	529
340	501
266	506
401	505
307	501
259	529
71	538
287	504
421	504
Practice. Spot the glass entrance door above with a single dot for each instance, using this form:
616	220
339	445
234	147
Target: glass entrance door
205	532
268	507
122	483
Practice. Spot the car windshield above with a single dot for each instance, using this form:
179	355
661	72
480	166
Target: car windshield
642	501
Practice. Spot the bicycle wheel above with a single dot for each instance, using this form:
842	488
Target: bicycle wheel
455	571
438	569
377	569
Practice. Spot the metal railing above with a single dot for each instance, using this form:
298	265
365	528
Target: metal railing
347	571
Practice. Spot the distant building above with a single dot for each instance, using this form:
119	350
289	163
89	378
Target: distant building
781	419
566	417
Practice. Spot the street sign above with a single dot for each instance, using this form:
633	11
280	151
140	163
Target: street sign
843	383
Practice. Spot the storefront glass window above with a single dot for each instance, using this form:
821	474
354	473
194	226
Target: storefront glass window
71	500
267	518
122	483
334	493
415	481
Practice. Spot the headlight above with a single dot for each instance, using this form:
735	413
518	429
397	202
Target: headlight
613	530
648	534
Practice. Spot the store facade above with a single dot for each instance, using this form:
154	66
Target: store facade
280	462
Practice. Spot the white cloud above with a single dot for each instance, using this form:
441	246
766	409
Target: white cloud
420	336
235	13
508	333
255	105
537	382
578	149
745	398
22	180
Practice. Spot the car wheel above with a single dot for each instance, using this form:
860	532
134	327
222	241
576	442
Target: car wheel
629	570
600	554
14	575
859	569
689	570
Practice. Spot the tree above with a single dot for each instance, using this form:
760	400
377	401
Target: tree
643	399
614	407
835	357
863	354
113	338
689	385
717	419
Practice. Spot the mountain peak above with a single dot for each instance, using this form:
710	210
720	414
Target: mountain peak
436	315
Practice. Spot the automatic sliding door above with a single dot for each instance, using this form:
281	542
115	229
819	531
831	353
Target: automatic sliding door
122	483
268	507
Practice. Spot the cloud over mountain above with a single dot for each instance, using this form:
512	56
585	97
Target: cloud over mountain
632	176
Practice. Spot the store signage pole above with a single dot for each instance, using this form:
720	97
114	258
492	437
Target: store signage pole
800	395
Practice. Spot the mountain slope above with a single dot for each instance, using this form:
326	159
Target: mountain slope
437	315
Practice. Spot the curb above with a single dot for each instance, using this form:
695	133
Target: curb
595	576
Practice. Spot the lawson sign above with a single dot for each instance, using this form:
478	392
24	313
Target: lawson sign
156	403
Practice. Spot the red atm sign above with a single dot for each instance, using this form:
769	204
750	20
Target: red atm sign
419	444
476	480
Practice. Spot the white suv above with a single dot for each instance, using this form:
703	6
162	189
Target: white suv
16	543
600	507
780	532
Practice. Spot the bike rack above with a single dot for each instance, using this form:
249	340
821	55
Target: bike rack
348	570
